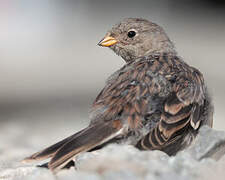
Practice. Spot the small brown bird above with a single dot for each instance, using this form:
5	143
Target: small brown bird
155	101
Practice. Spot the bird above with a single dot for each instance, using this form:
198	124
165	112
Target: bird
155	101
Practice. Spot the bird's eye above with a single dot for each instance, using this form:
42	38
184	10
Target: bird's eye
131	34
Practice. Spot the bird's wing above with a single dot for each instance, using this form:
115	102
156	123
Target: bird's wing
181	108
189	90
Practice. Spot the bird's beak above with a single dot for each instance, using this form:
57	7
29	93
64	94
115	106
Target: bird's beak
107	41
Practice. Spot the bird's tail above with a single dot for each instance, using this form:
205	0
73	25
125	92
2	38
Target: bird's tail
85	140
51	150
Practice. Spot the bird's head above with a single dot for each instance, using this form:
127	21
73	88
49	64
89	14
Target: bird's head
135	37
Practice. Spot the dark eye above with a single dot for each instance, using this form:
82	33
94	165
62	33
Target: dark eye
131	34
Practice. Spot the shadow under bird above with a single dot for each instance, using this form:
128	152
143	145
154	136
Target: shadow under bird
155	101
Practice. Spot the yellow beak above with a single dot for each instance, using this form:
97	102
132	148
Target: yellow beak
107	41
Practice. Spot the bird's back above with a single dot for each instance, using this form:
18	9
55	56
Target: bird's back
152	88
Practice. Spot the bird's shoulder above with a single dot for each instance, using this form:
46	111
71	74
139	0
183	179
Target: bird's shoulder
145	76
138	87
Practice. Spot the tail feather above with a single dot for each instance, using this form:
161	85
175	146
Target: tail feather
50	151
85	140
93	136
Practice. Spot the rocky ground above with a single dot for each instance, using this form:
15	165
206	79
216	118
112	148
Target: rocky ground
203	160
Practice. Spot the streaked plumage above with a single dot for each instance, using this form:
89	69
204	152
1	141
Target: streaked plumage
155	101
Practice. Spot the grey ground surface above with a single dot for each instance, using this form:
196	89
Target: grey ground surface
203	160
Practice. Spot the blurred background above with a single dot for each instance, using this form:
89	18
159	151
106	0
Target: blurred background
51	68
